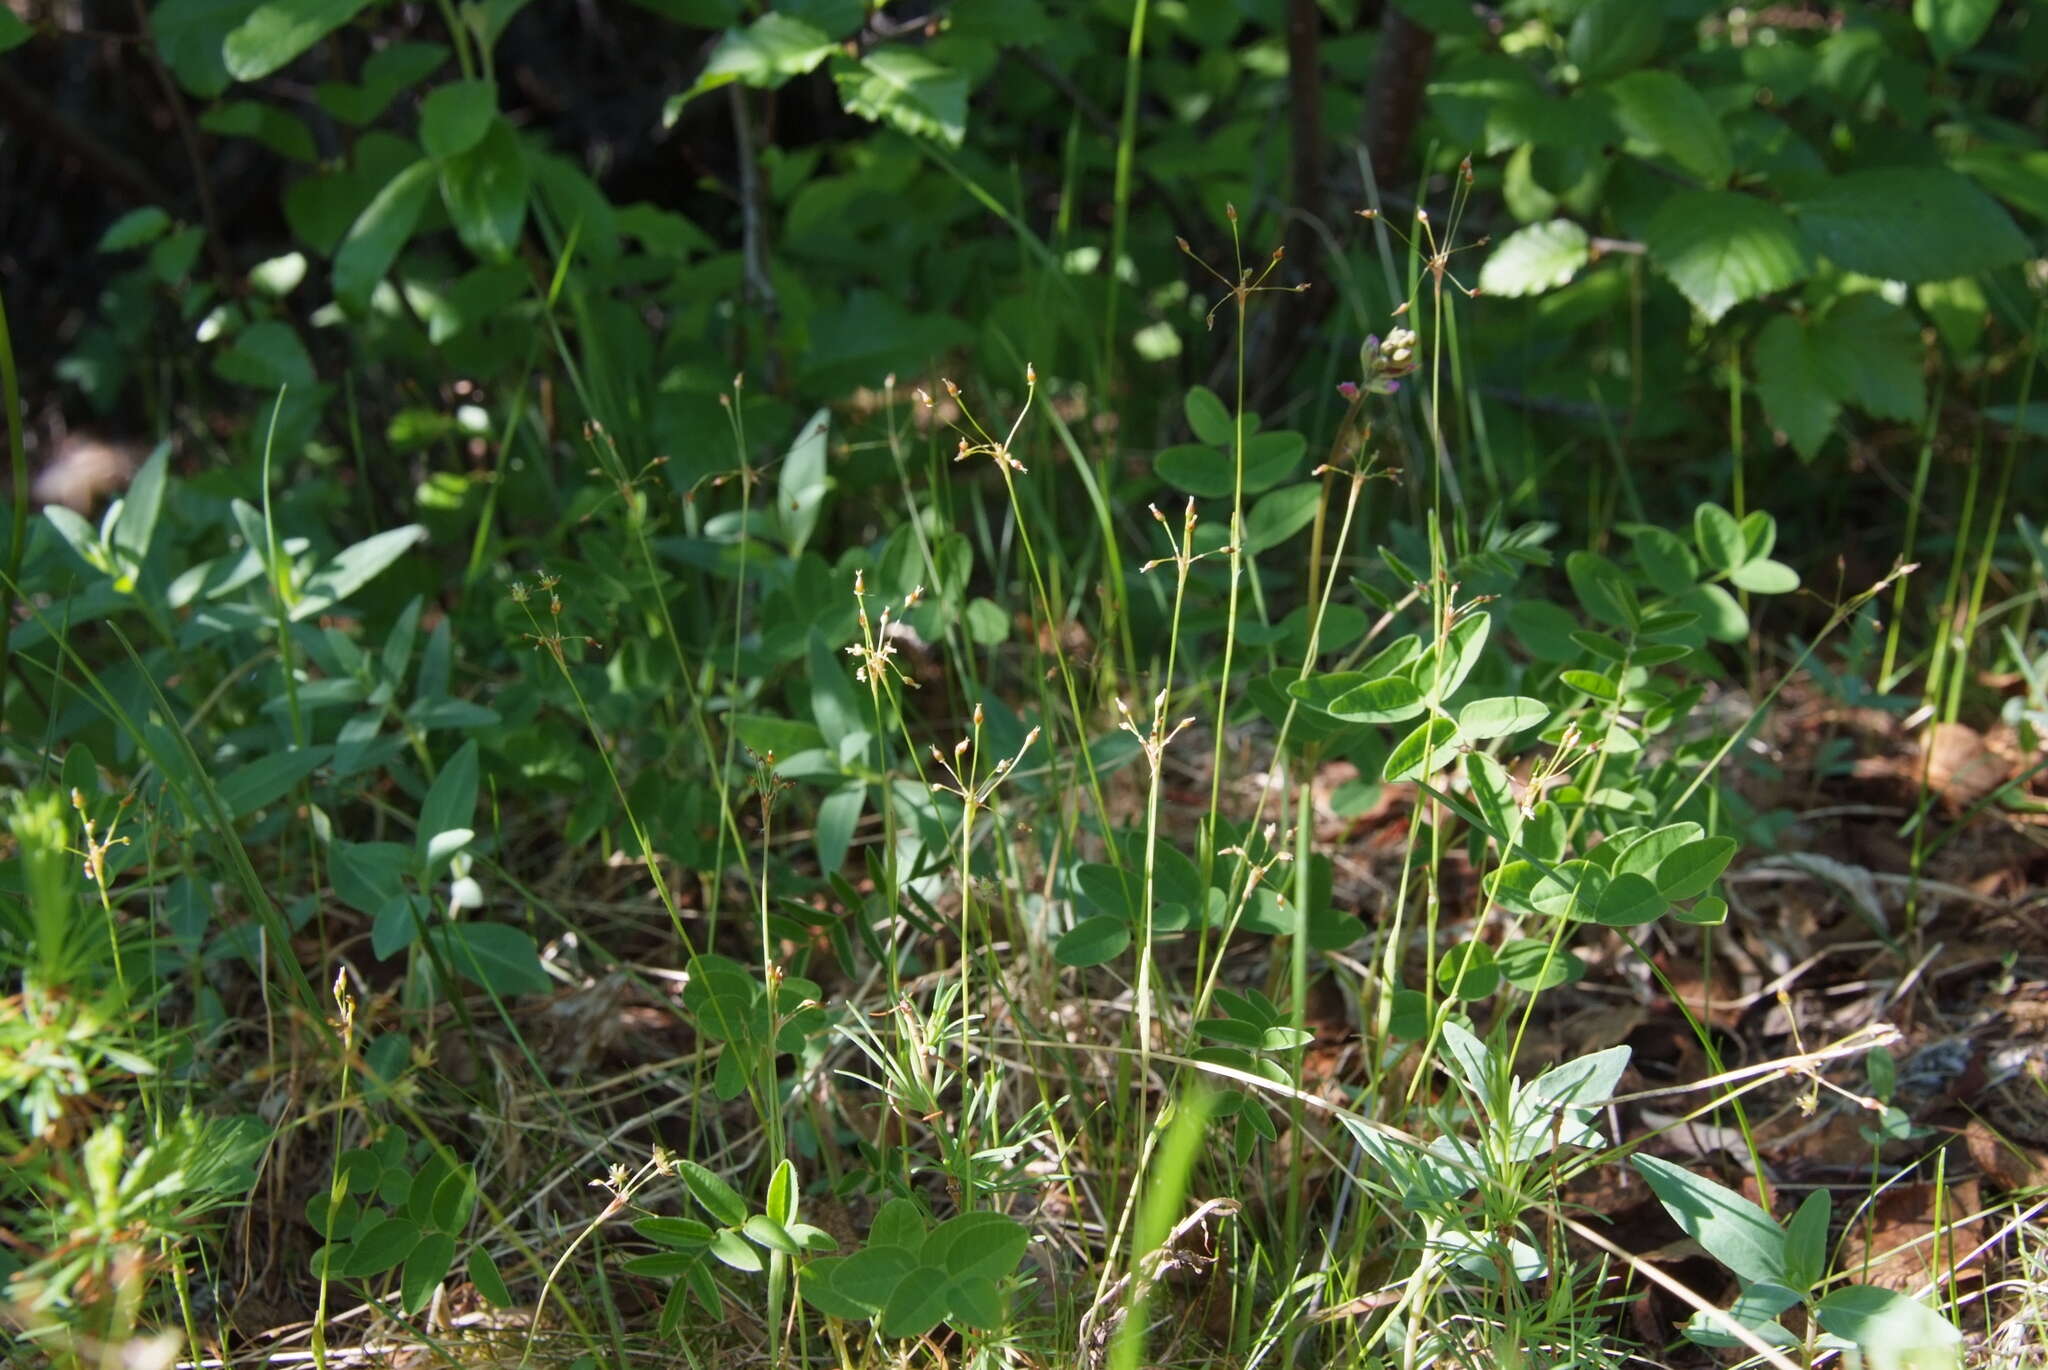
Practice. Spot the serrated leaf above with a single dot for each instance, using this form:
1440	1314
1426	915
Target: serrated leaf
1870	354
769	51
1721	248
1537	258
1909	224
1660	111
902	87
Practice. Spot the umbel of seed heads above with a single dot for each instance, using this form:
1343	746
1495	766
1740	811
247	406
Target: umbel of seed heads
981	443
1184	553
552	637
973	792
1246	285
1153	742
875	664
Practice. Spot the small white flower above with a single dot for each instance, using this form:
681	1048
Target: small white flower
465	893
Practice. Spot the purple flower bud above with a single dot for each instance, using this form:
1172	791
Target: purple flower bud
1348	389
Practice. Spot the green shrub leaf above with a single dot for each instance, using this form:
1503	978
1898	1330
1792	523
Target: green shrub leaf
1721	248
1909	224
1534	259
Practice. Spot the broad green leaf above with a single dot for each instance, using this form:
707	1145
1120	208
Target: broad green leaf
456	115
782	1193
1093	941
135	530
920	1302
1629	900
801	492
1468	971
502	959
1953	26
838	815
384	73
1424	752
486	188
189	35
1806	1241
276	128
1531	965
900	86
1693	868
729	1248
13	32
1572	889
379	233
451	800
1500	716
1611	36
1871	354
1909	224
1733	1230
1280	514
766	53
1207	417
1459	653
425	1268
981	1243
718	1198
1534	259
683	1234
769	1234
1663	114
380	1248
1643	853
1603	590
265	356
870	1275
483	1273
1390	699
136	228
1719	537
268	779
1721	248
354	567
815	1281
1665	559
1894	1331
1796	388
277	31
1765	577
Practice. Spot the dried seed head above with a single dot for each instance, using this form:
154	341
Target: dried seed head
1030	374
951	389
1230	211
1368	214
1182	243
922	397
977	715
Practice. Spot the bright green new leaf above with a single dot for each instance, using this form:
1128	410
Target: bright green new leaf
1537	258
277	31
1500	716
1424	752
769	51
902	87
